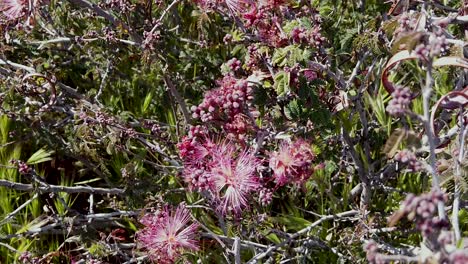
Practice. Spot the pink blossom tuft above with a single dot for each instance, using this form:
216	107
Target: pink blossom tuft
234	178
166	234
221	169
292	163
13	9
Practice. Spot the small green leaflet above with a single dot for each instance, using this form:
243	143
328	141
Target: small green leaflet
40	156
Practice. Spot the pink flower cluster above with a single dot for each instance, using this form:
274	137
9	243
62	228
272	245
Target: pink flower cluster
422	209
401	100
227	173
225	102
234	64
409	159
267	19
311	37
167	234
221	169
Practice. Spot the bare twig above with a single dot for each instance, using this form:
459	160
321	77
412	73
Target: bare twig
101	12
242	243
103	80
17	66
9	247
305	230
178	98
427	91
17	210
236	250
365	183
164	13
58	188
44	43
458	176
356	68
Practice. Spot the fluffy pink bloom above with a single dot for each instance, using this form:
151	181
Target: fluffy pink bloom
13	9
166	234
292	163
234	177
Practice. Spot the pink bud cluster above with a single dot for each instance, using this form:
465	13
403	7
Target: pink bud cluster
189	148
225	102
228	106
253	57
310	74
119	5
436	44
128	133
167	234
401	99
27	258
292	163
109	35
422	209
239	127
267	19
373	257
265	196
155	128
234	64
196	152
103	118
150	40
236	6
23	167
408	158
254	16
407	23
312	37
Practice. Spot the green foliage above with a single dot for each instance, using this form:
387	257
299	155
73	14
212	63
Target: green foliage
108	108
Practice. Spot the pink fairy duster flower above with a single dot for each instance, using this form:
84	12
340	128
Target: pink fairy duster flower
13	9
234	178
292	163
166	234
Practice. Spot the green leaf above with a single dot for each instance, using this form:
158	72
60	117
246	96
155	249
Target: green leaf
293	110
87	181
292	222
289	26
273	238
281	84
147	102
40	156
279	57
290	55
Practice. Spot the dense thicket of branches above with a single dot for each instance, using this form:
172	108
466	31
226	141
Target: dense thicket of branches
233	131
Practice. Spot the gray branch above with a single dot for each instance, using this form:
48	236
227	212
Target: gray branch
57	188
